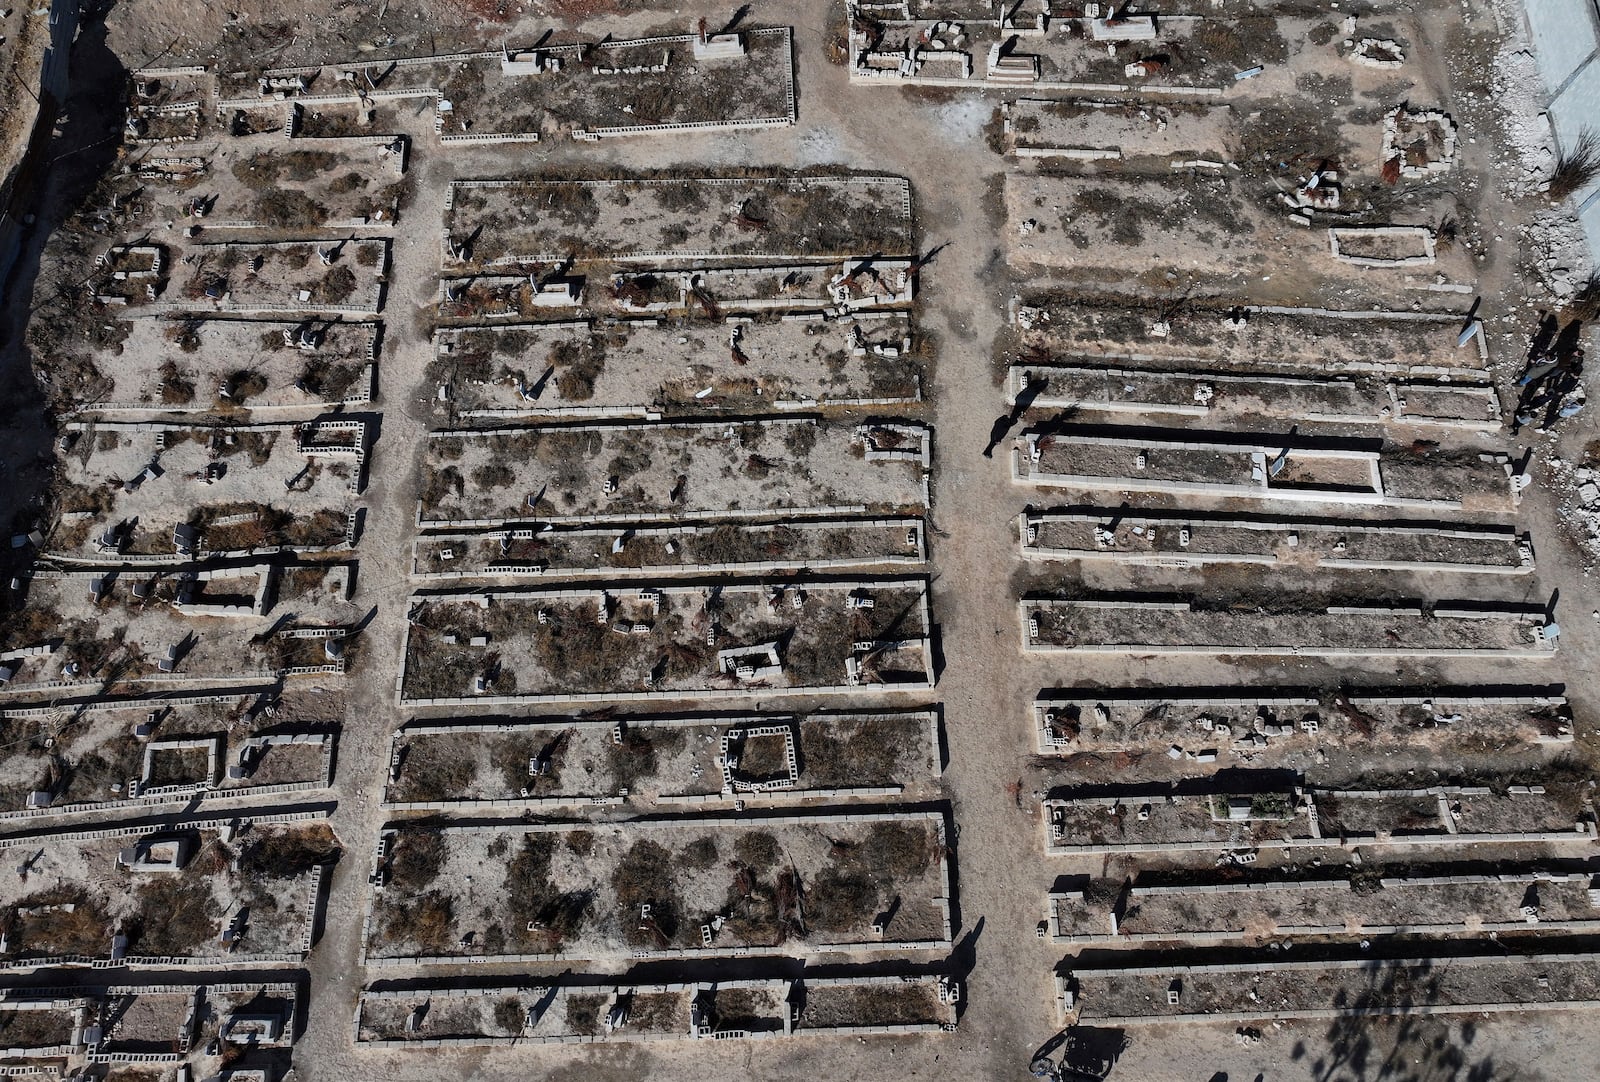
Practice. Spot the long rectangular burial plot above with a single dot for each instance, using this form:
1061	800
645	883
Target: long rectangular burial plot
1030	47
580	1014
1067	326
619	87
588	89
794	885
264	182
1243	992
678	471
40	1028
200	1028
1177	539
565	762
286	277
1249	720
1243	821
213	1027
624	552
1082	129
634	368
200	893
1336	399
129	489
1107	914
667	643
128	754
750	218
229	366
1094	229
1263	466
1317	630
85	631
857	287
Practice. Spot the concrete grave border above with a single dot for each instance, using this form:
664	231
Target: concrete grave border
942	903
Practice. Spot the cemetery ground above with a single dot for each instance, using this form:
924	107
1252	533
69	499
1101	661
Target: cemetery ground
992	796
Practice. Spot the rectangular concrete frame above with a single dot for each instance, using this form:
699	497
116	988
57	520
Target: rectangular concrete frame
86	1001
1028	145
1389	409
446	334
287	305
725	721
1438	323
1528	964
783	987
644	826
1047	745
1520	544
926	642
316	895
304	432
1341	928
605	537
1262	490
1583	832
572	53
697	254
1339	236
1541	648
924	456
360	394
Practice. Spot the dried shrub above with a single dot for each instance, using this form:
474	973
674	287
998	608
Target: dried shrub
175	390
493	475
700	854
244	385
337	286
645	874
1584	305
418	855
557	916
1576	168
583	1014
509	1014
288	854
289	208
176	913
428	921
759	850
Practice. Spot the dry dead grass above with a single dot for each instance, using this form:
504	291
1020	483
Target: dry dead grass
1576	168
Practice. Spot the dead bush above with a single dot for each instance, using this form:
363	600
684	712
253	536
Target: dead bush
556	916
418	855
288	854
759	849
176	913
493	475
288	208
509	1014
337	286
700	854
1576	168
1585	303
841	900
175	390
645	875
428	922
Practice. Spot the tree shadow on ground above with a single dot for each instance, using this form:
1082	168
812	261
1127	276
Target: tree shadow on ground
1361	1046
